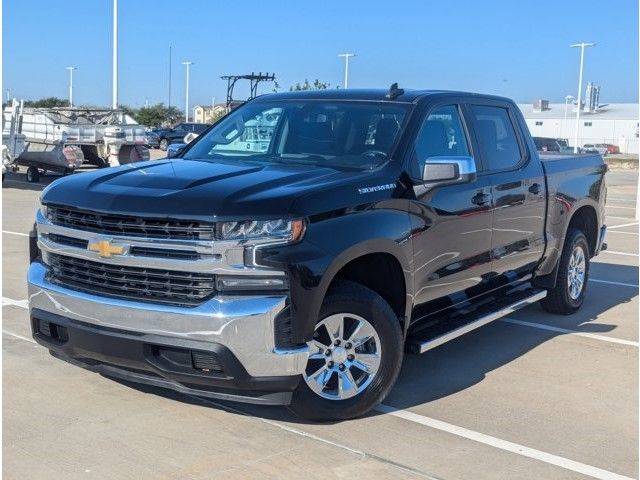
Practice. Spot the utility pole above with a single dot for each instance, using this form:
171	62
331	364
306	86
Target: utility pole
8	94
346	67
114	80
71	69
582	46
169	102
186	96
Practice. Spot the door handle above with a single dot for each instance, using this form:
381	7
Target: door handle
480	198
535	189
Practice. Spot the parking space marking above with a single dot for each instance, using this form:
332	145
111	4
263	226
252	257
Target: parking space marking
7	332
577	333
625	233
613	252
15	303
619	218
609	282
632	224
619	206
15	233
502	444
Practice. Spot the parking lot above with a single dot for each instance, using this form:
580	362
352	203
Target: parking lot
532	396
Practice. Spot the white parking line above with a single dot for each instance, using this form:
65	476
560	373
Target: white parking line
619	206
633	224
613	252
593	336
15	233
15	303
619	218
7	332
608	282
624	233
502	444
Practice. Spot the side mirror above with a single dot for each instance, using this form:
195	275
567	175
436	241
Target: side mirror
444	170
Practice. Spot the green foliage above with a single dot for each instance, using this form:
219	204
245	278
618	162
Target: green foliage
316	85
155	115
49	102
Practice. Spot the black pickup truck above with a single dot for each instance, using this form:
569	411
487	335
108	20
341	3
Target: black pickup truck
298	247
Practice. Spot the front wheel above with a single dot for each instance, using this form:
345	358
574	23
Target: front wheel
164	144
568	294
355	356
33	175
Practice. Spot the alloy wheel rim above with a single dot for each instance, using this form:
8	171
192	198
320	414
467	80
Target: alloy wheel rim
345	357
576	275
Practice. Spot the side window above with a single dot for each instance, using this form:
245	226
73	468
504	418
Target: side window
441	135
496	137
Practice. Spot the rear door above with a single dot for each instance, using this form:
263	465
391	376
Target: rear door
452	224
518	188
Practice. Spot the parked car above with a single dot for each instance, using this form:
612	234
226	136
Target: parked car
177	134
612	149
297	268
600	148
152	139
546	144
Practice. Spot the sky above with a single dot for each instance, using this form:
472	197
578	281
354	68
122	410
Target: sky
517	48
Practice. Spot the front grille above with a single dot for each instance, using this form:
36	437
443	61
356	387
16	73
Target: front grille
141	284
130	225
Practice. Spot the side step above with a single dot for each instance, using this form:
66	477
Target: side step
431	338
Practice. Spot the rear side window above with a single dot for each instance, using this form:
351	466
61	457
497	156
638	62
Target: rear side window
496	137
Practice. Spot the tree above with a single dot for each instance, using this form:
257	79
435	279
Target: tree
49	102
156	115
316	85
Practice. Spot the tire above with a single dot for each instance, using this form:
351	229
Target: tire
33	175
164	144
561	299
355	302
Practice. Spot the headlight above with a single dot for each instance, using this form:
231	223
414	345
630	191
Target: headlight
45	211
291	230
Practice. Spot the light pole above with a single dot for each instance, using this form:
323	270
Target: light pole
114	68
71	69
346	67
582	46
567	99
186	97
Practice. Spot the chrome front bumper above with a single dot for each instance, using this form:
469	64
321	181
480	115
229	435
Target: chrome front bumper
243	324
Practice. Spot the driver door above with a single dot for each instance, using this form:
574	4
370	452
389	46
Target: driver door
451	231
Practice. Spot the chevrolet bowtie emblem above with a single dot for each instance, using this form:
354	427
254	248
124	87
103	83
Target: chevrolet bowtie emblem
105	249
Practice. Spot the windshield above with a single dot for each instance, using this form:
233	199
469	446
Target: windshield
336	133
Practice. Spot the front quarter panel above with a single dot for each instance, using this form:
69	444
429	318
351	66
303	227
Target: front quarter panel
331	241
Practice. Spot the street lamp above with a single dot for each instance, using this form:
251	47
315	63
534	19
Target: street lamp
71	69
186	99
346	67
114	66
582	46
567	99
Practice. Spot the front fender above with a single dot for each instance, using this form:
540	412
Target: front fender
330	244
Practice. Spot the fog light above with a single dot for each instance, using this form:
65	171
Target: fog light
227	283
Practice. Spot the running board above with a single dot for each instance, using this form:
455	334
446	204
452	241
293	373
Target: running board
522	299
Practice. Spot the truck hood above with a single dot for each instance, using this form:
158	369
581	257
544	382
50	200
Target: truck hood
199	189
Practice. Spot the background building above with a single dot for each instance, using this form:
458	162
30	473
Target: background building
207	114
614	123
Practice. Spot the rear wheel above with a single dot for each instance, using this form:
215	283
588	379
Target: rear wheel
164	144
568	294
355	356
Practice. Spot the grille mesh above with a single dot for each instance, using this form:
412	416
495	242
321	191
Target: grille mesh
142	284
130	226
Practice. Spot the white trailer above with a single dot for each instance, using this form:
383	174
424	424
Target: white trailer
105	137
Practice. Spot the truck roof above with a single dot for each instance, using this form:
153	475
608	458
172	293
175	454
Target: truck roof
373	94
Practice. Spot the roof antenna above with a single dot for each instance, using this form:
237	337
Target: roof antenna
394	91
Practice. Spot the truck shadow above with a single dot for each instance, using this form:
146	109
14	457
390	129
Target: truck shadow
467	360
